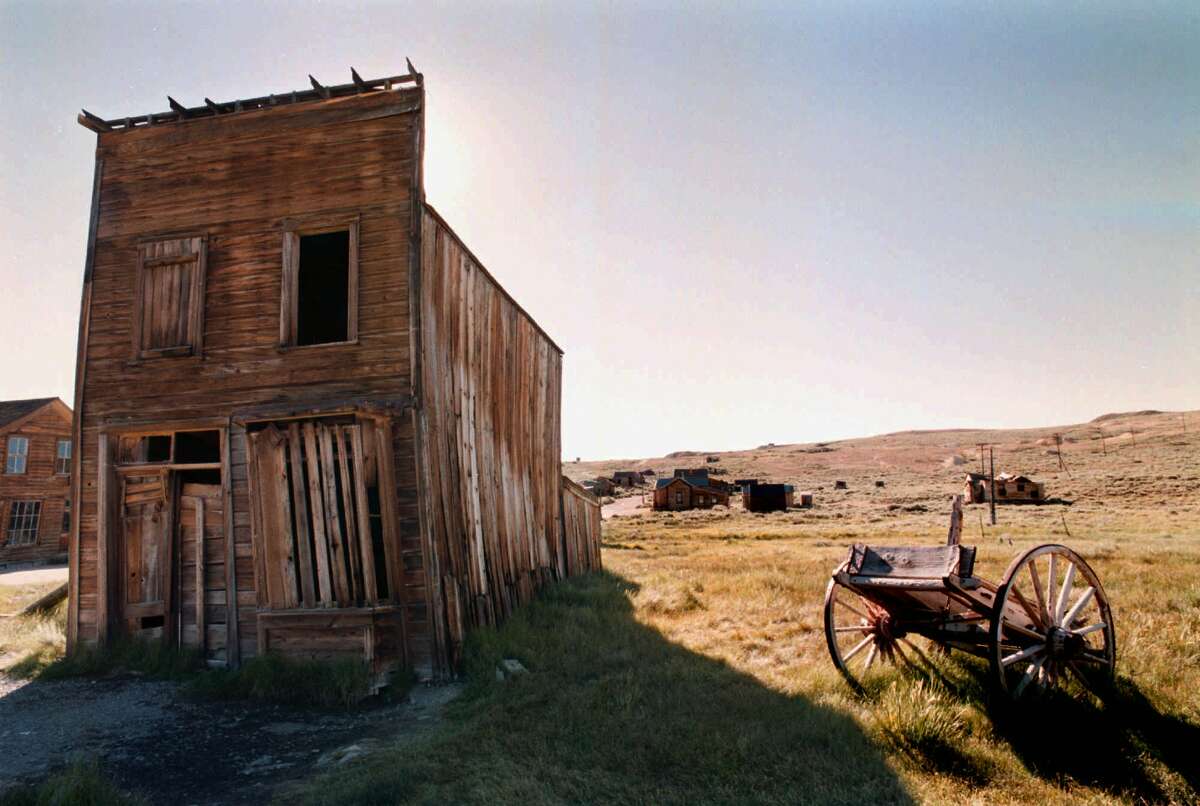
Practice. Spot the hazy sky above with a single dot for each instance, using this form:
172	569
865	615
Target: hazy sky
778	223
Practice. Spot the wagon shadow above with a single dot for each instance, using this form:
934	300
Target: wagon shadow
1102	745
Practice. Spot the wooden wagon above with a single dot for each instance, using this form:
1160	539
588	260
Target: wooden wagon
1047	619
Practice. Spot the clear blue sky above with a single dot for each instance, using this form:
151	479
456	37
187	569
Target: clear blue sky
765	225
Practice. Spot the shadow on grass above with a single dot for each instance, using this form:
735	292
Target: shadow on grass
1121	745
612	712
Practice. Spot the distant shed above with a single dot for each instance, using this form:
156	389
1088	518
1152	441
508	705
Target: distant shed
768	497
1011	489
627	478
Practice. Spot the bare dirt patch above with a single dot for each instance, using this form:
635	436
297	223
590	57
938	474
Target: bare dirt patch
152	740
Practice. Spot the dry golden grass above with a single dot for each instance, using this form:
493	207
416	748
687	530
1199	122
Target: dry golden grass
748	590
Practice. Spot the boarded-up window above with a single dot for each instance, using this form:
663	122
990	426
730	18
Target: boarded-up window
321	537
168	314
319	300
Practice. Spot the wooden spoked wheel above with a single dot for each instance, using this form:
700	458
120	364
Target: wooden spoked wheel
863	638
1051	620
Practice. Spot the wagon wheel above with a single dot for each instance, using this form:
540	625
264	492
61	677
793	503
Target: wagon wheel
1051	619
863	638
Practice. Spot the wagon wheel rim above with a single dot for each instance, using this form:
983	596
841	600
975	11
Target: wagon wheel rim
862	637
1051	622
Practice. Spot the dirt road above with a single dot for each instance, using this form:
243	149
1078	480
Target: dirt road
171	749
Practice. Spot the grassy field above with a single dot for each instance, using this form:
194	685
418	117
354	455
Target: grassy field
694	670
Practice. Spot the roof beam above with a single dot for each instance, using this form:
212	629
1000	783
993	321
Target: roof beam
216	110
90	121
358	82
178	107
319	87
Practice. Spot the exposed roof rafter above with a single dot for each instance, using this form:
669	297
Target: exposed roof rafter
211	108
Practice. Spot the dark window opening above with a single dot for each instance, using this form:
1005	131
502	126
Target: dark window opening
150	622
66	516
195	447
200	476
157	449
376	521
323	288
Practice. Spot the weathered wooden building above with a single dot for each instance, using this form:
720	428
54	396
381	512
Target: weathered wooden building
758	497
35	453
680	493
308	419
627	478
1012	489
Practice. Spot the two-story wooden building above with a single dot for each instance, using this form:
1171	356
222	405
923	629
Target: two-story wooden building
309	420
35	454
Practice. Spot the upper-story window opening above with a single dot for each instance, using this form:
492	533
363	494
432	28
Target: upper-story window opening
17	455
62	457
320	286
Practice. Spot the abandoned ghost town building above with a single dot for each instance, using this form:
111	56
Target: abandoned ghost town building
689	489
759	497
308	419
35	510
1009	488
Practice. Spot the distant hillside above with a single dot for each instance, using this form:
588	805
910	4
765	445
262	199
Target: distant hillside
943	451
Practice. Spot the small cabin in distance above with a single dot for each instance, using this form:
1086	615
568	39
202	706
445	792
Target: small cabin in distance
680	493
1011	489
627	478
35	459
758	497
309	420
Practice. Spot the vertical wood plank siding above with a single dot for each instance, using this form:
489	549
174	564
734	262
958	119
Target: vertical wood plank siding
490	434
453	393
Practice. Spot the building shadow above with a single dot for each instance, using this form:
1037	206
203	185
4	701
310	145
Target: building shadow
611	711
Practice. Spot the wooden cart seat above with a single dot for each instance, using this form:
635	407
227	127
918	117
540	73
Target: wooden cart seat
910	567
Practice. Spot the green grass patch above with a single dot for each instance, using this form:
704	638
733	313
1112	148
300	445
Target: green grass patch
150	658
81	784
277	679
612	712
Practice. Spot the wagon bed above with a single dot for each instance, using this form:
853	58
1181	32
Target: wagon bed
1048	617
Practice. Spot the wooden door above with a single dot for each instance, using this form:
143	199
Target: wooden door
147	557
201	577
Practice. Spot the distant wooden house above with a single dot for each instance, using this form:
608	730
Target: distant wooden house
308	419
768	497
695	473
805	499
601	485
35	503
1011	489
648	472
627	478
679	493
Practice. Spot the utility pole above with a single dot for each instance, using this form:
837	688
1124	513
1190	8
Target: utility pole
992	453
1103	446
982	471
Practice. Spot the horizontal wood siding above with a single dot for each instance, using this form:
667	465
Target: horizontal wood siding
240	182
39	482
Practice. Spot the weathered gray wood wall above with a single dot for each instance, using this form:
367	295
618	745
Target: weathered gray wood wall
489	439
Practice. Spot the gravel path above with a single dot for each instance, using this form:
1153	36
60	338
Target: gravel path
174	750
